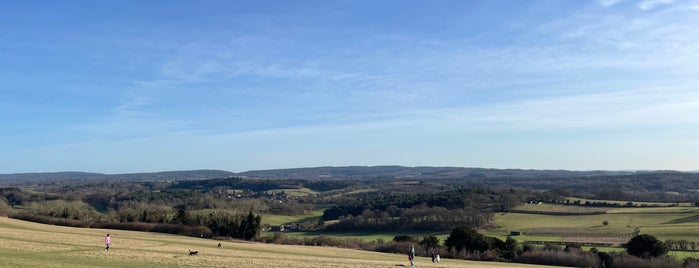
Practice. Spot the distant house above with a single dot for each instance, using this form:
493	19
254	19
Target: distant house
515	233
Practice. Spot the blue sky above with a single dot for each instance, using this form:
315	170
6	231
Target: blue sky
134	86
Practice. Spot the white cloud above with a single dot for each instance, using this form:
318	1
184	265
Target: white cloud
651	4
608	3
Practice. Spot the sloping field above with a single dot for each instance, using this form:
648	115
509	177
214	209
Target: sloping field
25	244
679	223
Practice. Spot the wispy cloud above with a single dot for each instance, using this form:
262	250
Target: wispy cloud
315	83
609	3
651	4
613	110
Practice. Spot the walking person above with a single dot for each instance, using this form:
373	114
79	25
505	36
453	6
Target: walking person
411	256
108	242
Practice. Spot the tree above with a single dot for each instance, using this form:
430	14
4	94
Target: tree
251	226
403	238
466	238
181	217
429	242
605	223
646	246
510	250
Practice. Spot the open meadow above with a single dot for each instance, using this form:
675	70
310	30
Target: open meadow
676	223
26	244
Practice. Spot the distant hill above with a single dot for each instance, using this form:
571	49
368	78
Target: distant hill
166	175
373	173
401	172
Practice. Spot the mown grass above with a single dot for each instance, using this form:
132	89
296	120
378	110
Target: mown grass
25	244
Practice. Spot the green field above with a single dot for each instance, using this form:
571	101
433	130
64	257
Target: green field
661	204
293	191
277	220
671	222
663	222
25	244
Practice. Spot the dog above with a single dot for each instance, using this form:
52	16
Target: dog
192	253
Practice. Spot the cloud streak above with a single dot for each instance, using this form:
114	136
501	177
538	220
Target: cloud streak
651	4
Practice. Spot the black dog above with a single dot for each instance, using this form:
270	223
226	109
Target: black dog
192	253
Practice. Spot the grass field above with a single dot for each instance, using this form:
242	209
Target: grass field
663	222
25	244
352	192
583	200
294	191
277	220
678	222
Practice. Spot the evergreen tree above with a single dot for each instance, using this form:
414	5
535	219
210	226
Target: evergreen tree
646	246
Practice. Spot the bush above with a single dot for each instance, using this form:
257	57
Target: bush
404	238
488	255
629	261
429	242
465	238
690	263
510	250
571	258
646	246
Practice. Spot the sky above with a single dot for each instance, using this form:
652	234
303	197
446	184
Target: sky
146	86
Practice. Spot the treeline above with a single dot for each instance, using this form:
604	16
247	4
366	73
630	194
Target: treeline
215	223
232	183
260	185
431	211
180	211
477	198
417	218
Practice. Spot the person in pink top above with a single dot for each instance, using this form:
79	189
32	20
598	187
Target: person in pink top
108	242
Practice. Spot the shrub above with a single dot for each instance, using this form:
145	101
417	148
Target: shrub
572	258
488	255
510	250
404	238
429	242
646	246
690	263
629	261
465	238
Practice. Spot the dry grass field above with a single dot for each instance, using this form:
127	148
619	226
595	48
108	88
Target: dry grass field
25	244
